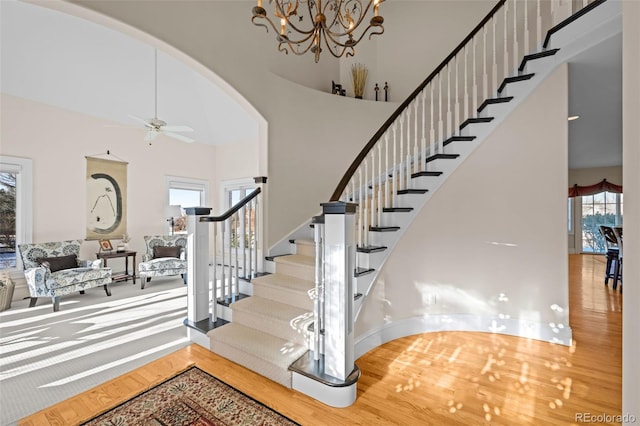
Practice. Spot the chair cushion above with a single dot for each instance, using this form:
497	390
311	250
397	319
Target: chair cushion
58	263
164	251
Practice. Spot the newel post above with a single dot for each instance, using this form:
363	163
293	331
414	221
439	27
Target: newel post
197	265
339	257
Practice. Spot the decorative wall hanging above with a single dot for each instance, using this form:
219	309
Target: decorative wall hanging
106	204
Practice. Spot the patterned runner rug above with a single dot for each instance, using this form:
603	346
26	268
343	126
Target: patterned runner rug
192	398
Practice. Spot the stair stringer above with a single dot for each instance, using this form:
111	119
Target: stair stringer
600	24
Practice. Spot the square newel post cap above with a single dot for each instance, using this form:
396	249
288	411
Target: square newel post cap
197	211
338	207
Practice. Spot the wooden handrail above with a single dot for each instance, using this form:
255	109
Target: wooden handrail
226	215
362	155
570	19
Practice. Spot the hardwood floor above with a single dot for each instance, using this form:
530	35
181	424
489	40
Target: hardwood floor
450	378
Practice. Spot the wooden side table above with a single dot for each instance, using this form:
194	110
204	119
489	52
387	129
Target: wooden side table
104	255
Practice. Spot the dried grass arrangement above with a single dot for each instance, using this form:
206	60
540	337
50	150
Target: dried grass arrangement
359	75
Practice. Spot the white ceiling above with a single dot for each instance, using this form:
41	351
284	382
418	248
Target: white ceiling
64	61
61	60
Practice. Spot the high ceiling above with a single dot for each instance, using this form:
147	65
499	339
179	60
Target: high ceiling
61	60
64	61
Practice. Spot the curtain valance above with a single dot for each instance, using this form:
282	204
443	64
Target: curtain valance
579	191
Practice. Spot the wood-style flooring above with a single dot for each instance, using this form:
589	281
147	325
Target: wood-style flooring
446	378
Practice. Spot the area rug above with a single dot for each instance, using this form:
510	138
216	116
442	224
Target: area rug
192	398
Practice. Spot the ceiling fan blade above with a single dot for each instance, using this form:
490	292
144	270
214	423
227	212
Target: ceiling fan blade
177	128
178	136
140	120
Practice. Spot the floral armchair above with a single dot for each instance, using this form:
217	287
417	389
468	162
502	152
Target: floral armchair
165	256
53	269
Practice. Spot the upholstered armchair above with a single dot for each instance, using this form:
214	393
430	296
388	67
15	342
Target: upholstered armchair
165	256
53	269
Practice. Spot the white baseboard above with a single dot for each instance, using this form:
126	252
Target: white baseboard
558	334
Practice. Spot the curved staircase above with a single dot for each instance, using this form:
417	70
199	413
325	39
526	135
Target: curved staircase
274	327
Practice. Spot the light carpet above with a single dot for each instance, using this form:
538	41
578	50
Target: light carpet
192	398
47	357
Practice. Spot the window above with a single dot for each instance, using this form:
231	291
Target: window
604	208
183	193
234	191
15	205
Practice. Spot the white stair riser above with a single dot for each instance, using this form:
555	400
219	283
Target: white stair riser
253	363
304	272
270	325
279	294
306	249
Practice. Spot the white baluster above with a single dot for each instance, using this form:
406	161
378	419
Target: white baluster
395	187
223	283
416	138
466	112
526	48
440	124
373	188
365	190
505	53
251	240
243	245
401	165
449	113
538	26
456	124
432	132
485	77
515	35
361	231
408	158
387	196
423	163
256	236
494	68
214	286
381	174
230	273
474	94
236	264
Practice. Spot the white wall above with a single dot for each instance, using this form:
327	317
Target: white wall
58	140
491	242
631	185
419	35
590	176
306	127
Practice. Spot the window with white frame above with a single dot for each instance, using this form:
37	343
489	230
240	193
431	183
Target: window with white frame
184	193
233	192
16	188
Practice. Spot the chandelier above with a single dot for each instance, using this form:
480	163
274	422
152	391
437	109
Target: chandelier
305	25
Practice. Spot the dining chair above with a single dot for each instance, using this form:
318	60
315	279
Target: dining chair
617	230
613	253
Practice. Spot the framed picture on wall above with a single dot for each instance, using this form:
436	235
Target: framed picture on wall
106	198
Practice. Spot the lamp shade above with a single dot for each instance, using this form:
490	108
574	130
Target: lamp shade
173	211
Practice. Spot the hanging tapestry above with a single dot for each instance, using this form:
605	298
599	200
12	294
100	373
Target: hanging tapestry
106	199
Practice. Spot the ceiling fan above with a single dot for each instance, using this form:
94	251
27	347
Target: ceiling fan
157	126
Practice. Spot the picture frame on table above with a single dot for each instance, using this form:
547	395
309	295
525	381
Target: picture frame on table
105	245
